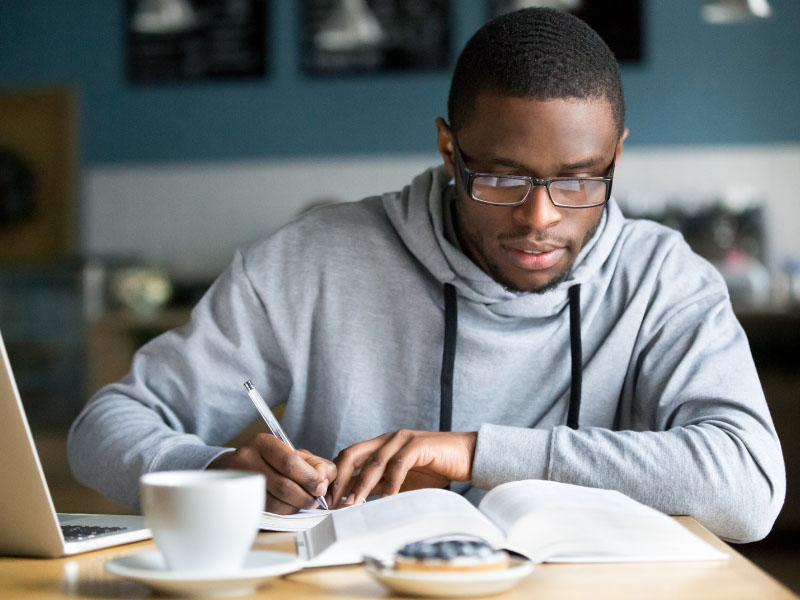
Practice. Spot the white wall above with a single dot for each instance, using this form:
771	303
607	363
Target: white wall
768	175
190	218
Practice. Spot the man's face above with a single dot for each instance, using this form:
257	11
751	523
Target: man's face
530	247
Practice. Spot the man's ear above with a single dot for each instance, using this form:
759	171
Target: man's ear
622	138
444	141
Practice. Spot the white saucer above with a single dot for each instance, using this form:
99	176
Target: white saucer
451	584
150	568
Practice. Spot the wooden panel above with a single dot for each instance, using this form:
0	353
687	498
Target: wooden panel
39	127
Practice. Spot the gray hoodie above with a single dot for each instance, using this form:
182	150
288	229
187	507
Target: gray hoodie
340	315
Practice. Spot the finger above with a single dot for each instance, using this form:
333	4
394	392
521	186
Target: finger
288	491
347	490
400	466
377	490
249	458
279	507
290	478
288	462
389	456
326	470
347	463
324	467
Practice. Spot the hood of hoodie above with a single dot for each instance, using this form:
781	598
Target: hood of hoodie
418	215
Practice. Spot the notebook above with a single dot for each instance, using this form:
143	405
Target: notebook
29	524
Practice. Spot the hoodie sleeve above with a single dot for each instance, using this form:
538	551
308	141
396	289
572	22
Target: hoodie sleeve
183	397
704	443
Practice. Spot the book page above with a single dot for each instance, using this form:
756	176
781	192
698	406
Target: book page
558	522
381	527
509	502
596	535
298	521
303	519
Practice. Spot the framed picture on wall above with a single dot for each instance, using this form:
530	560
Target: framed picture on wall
619	23
365	36
191	40
38	158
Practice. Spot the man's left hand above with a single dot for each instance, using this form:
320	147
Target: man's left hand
403	460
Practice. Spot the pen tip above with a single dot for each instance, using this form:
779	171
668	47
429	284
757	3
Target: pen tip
248	385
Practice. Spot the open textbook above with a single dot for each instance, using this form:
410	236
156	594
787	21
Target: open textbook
542	520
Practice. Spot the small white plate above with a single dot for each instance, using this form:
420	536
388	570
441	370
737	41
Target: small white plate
451	584
150	568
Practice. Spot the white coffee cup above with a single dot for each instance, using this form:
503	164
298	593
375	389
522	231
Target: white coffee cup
203	520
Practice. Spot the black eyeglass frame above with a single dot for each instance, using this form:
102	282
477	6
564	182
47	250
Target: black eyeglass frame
467	177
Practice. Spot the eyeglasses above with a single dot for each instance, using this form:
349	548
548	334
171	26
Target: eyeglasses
513	190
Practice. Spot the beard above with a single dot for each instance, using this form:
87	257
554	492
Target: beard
477	244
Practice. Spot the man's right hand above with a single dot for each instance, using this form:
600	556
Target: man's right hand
294	478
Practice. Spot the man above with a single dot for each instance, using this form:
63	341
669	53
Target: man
510	325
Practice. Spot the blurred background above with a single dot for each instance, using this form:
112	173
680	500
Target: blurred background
143	141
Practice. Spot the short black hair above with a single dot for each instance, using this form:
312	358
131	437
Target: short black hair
537	53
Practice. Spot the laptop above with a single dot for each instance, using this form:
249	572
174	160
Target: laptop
29	524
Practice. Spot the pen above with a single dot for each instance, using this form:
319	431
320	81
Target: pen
273	424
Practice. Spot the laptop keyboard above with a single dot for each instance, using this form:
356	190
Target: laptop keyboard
75	533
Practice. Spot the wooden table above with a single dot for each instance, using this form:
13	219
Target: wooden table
83	576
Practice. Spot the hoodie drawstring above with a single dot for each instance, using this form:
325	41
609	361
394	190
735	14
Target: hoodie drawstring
449	356
577	355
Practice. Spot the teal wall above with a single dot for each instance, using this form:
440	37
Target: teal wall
698	84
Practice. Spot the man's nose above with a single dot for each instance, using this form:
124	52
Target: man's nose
537	212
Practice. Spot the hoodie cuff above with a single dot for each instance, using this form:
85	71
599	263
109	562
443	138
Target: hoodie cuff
506	453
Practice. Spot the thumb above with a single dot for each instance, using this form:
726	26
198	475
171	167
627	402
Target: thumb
325	469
